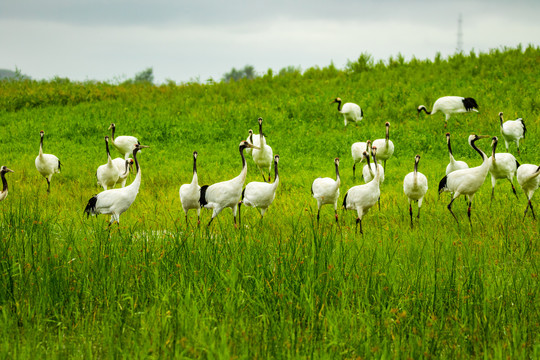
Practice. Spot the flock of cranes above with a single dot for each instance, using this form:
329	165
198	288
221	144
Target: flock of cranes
459	179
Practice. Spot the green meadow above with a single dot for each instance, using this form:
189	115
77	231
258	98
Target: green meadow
279	287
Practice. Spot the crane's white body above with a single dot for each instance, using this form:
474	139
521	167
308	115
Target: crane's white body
466	181
415	186
107	174
385	147
115	202
191	193
123	166
4	191
226	194
512	131
502	166
449	105
454	164
528	178
363	197
47	164
350	111
124	144
326	190
357	150
263	154
261	194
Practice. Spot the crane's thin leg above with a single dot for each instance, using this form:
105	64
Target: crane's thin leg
210	221
532	209
353	171
492	193
336	215
410	213
450	208
239	218
359	221
384	165
469	212
513	189
48	185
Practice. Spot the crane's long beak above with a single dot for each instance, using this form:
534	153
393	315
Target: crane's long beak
484	136
253	146
143	146
110	127
8	169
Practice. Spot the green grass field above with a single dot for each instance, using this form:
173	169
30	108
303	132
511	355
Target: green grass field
156	287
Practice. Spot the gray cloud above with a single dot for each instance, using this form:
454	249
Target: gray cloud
183	40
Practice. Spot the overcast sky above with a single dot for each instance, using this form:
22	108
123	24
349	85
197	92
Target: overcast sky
112	40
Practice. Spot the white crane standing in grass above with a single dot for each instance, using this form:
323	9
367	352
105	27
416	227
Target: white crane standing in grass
114	202
262	154
415	186
449	105
350	111
357	152
503	166
385	146
512	130
326	191
47	164
226	194
528	179
454	164
123	167
363	197
124	144
260	194
4	192
191	193
466	181
107	174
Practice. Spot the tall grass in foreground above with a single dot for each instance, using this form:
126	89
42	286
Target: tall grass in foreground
156	287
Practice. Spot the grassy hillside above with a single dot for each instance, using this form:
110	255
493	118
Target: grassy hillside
280	287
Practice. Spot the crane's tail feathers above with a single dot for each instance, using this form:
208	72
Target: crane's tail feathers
59	166
524	127
91	206
442	185
470	104
202	198
345	201
517	164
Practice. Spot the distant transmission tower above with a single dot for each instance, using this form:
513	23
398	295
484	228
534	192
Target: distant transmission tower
459	48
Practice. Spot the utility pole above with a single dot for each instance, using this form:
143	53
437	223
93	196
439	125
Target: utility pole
459	48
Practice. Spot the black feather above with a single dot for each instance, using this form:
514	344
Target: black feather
442	184
202	199
311	189
517	164
470	104
361	112
524	127
59	165
345	201
91	206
